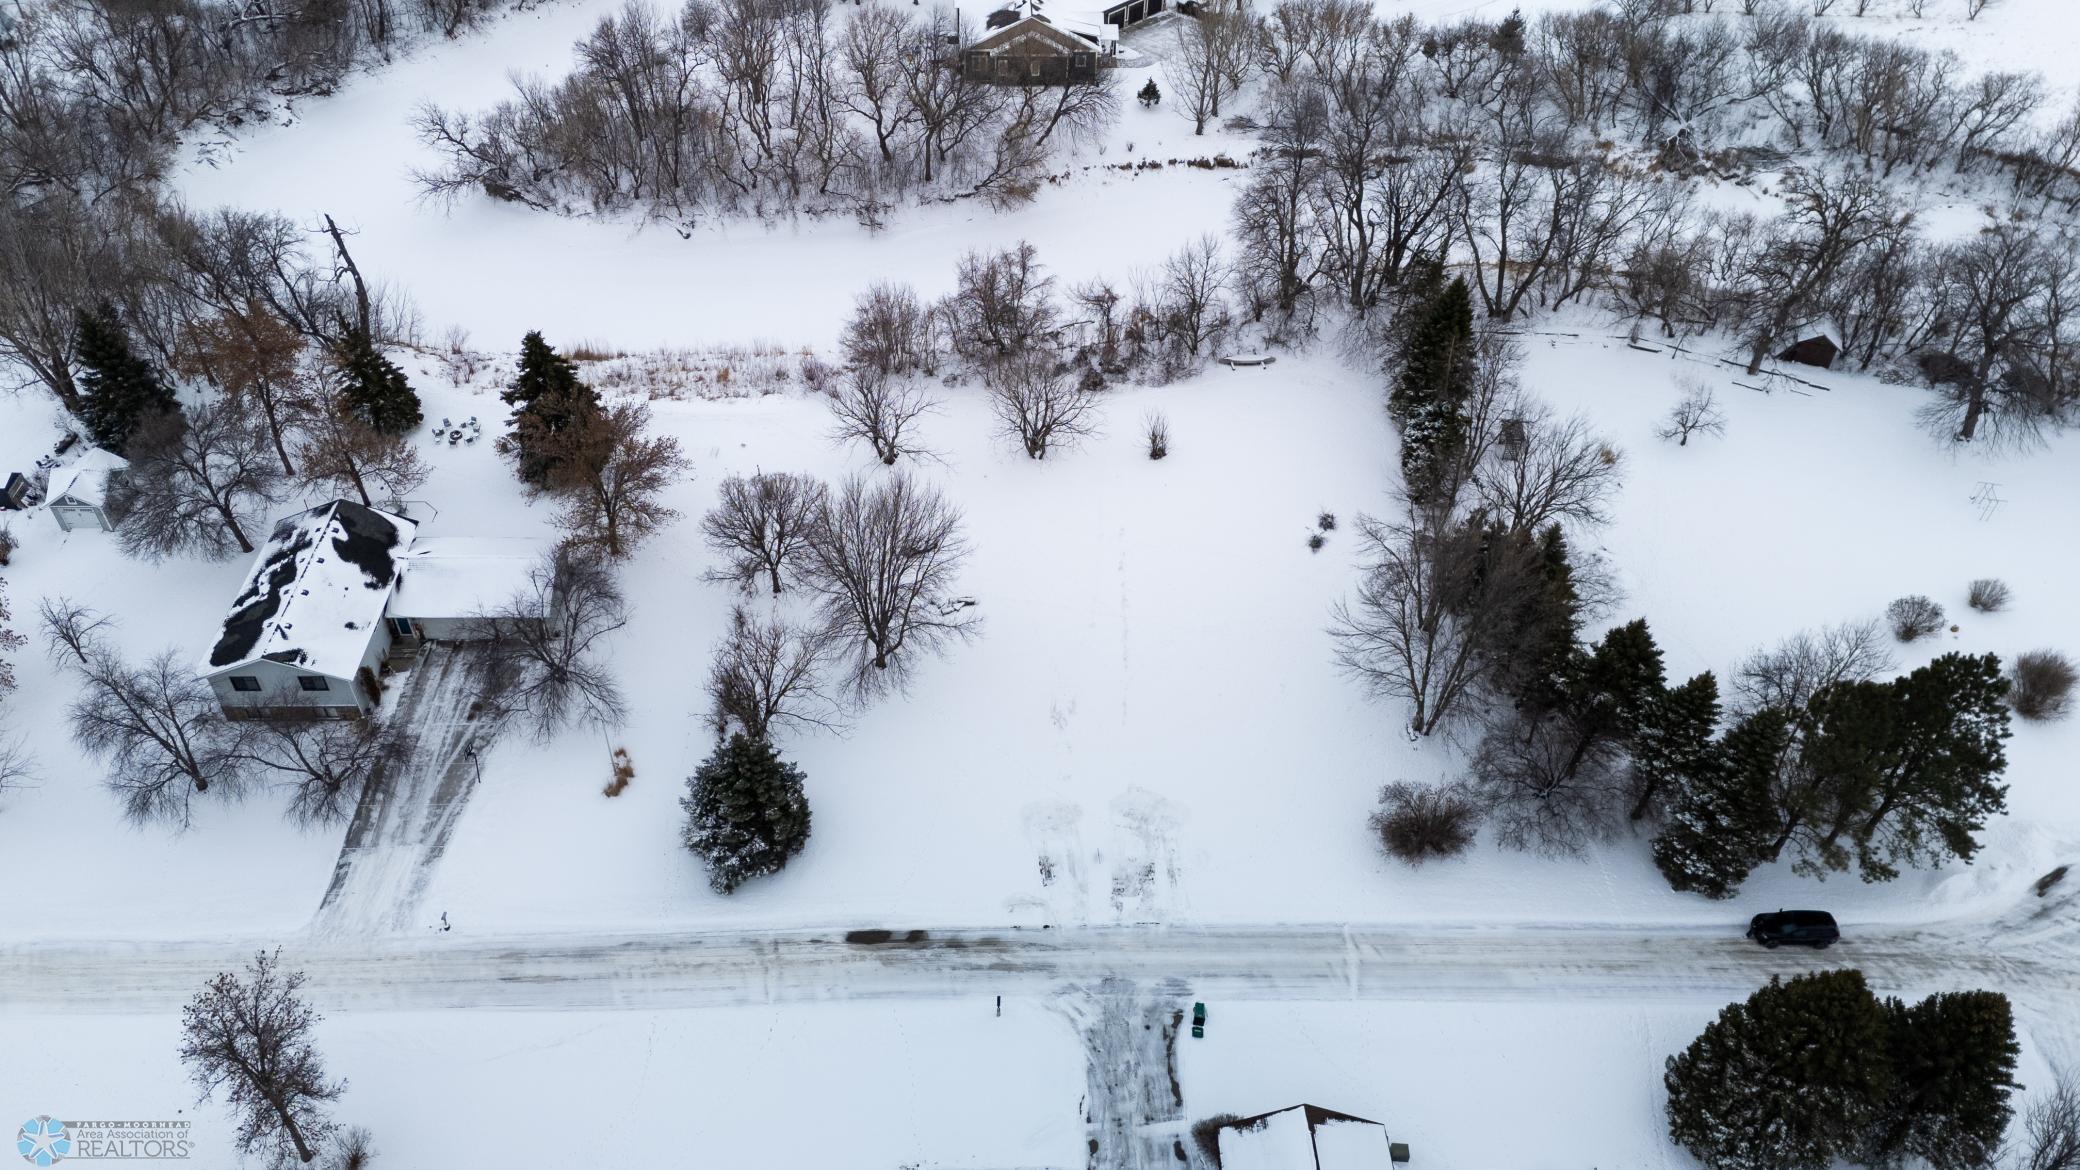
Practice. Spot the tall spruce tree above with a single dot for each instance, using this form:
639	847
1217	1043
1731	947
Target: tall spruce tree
1941	775
1792	1079
118	389
1672	746
553	411
1434	380
1953	1061
746	814
374	390
1725	821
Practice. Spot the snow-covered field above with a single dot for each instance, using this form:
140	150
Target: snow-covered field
1148	729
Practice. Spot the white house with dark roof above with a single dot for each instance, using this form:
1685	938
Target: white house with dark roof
1307	1137
334	590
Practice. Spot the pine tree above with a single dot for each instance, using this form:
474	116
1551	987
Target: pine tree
552	411
1790	1080
1940	779
746	814
1551	655
1953	1059
1726	819
118	389
1436	375
1672	744
374	390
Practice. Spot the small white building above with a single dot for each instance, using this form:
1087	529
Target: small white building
1307	1137
78	491
334	591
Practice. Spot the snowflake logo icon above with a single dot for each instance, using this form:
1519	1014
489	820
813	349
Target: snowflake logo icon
42	1141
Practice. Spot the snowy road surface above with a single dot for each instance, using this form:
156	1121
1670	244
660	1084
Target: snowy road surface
2031	957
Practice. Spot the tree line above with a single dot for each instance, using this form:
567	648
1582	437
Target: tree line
761	107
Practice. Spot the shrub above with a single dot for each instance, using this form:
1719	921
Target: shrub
1418	824
1315	541
1988	595
624	771
6	543
1326	521
2040	686
1914	617
1158	429
1206	1132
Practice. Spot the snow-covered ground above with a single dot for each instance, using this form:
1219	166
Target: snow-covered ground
1149	728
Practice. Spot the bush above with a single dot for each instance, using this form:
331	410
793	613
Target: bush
1988	595
6	543
1418	824
1914	617
1326	521
1158	430
2040	686
1206	1132
1315	541
624	771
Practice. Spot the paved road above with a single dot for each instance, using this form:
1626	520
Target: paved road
689	970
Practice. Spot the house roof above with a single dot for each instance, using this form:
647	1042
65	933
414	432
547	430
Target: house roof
1304	1137
463	576
316	591
85	479
1039	27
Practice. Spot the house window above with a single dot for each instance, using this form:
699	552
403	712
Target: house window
312	682
1083	60
244	682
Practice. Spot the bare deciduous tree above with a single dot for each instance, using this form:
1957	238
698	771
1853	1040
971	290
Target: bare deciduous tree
1559	471
159	730
341	453
323	763
1195	309
1430	606
251	1037
1787	676
1205	71
196	483
613	488
1547	790
1002	303
541	655
1037	404
882	411
71	631
254	356
889	330
762	524
1697	413
884	556
768	673
2051	1128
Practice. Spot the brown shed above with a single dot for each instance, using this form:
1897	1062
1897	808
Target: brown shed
1817	350
1031	52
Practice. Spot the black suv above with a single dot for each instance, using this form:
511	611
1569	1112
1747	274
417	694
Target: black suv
1799	928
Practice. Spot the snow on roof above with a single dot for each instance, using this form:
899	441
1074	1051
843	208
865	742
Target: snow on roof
85	479
316	591
462	576
1304	1137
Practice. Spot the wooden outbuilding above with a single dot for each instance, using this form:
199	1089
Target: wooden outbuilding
1817	350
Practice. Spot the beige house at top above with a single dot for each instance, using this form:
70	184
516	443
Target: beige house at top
335	592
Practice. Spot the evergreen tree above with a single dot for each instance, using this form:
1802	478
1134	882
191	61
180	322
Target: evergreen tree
374	390
1790	1080
746	814
1672	744
552	412
1550	654
1941	779
1953	1060
1726	821
118	389
1436	375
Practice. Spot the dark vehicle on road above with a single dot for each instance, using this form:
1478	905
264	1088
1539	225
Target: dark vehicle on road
1798	928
